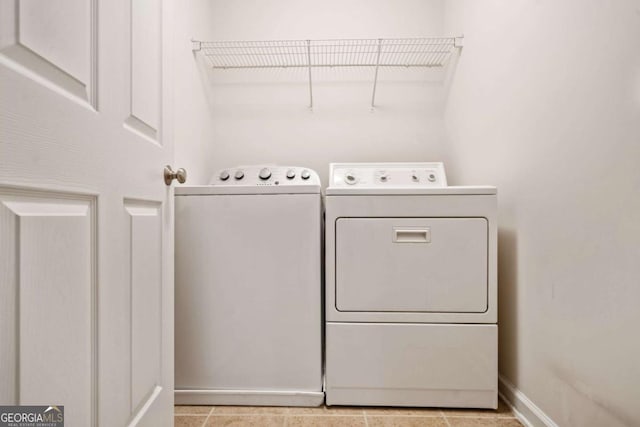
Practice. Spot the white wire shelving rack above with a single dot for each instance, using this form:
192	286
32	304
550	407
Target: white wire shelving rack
425	52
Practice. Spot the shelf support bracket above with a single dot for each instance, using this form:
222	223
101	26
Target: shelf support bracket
458	41
375	77
309	66
196	45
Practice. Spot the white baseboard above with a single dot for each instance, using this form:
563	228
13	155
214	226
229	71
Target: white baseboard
524	409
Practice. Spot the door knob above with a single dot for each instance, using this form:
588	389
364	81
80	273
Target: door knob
170	175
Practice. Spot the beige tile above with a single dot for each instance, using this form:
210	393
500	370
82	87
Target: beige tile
189	420
249	410
325	421
502	411
509	422
327	410
483	422
424	412
245	421
192	410
344	410
406	421
299	410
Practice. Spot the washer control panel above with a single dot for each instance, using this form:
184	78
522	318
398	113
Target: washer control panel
265	175
387	175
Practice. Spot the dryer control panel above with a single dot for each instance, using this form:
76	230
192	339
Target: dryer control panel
265	175
388	175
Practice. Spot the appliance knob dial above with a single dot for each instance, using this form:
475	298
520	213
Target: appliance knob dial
264	174
305	174
224	175
350	178
291	174
239	175
431	177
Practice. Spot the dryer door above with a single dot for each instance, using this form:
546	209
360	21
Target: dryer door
411	264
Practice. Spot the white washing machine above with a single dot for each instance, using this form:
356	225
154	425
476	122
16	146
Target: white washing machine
411	289
248	325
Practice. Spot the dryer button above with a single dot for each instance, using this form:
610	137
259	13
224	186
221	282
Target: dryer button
350	178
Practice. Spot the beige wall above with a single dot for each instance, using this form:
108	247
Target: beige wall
227	118
545	103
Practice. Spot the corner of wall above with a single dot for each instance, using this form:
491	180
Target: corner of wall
525	410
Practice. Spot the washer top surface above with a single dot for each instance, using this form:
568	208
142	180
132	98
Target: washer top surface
394	178
257	179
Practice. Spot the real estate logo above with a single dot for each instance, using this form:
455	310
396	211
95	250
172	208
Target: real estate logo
32	416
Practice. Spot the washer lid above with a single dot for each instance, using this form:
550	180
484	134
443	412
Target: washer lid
394	178
258	179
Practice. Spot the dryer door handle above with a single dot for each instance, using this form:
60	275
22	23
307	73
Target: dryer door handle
411	235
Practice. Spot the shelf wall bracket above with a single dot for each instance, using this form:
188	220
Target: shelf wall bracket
309	66
375	77
458	41
196	45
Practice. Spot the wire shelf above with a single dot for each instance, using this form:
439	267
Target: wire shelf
411	52
408	52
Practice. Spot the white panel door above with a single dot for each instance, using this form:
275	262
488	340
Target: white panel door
86	220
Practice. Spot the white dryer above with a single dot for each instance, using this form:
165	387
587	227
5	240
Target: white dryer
248	322
411	288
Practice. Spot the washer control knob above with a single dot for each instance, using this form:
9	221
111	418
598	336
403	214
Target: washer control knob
384	178
291	174
264	174
350	178
431	177
305	174
224	175
239	174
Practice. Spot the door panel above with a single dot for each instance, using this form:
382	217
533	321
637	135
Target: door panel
411	264
86	221
145	264
67	47
49	239
145	68
63	57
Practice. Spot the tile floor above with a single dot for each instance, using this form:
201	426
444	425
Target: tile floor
336	416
